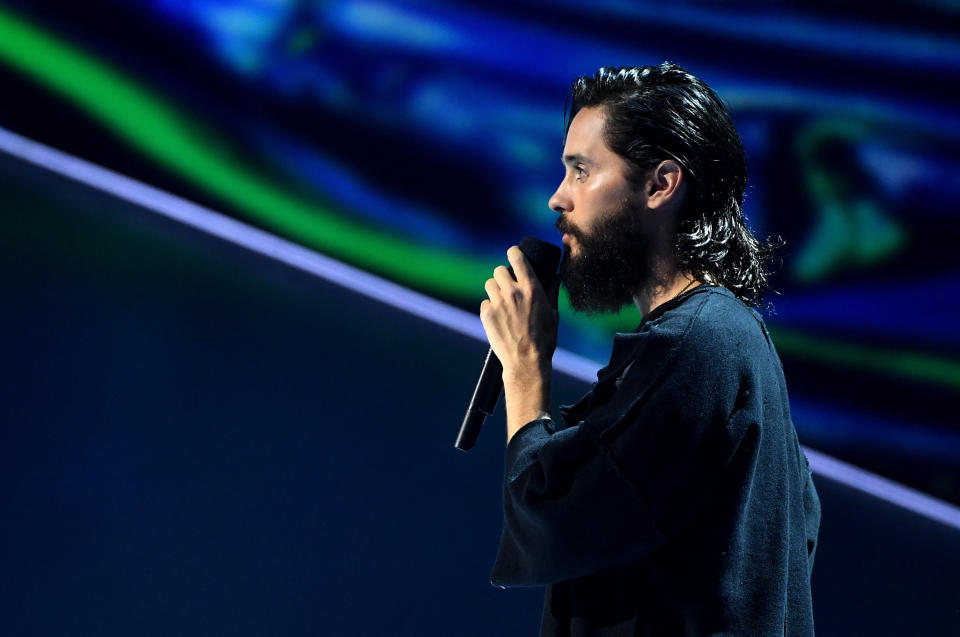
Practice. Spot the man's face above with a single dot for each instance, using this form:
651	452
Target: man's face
601	216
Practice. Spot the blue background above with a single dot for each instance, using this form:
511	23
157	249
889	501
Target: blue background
198	440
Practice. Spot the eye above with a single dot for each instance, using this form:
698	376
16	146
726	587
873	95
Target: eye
581	174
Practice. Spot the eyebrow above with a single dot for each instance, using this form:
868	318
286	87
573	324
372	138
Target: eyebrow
575	159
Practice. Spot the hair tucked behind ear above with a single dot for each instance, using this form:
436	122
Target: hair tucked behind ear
663	112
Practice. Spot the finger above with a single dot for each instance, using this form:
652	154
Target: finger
492	289
485	313
487	320
521	267
503	277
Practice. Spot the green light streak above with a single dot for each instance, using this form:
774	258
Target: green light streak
912	365
183	146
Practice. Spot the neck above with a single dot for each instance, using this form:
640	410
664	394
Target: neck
662	289
666	281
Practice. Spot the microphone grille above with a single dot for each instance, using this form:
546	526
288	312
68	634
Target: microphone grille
544	258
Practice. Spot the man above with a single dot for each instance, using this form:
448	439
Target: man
674	499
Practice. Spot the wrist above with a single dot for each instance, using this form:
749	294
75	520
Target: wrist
527	371
528	387
527	399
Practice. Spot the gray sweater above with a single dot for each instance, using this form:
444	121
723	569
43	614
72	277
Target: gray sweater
676	499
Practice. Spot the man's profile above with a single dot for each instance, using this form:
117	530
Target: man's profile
674	497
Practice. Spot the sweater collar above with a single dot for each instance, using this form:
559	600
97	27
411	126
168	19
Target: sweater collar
626	344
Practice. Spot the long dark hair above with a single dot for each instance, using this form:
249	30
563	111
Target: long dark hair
664	112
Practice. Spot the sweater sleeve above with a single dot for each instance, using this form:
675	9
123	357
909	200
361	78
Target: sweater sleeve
607	491
567	509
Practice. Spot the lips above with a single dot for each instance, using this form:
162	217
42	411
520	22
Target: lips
564	226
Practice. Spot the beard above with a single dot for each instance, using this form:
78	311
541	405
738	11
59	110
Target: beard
612	261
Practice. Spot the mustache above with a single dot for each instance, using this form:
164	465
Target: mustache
563	225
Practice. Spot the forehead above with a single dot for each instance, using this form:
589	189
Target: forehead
585	136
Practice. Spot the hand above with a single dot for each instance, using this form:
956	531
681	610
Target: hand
519	322
522	330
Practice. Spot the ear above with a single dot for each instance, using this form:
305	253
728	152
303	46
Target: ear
666	185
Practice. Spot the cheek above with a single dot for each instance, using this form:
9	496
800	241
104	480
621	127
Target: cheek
605	195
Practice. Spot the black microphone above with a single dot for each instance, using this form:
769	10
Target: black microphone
544	258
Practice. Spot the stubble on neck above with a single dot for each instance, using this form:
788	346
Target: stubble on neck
662	289
665	280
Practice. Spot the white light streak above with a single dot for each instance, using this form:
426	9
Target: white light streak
420	305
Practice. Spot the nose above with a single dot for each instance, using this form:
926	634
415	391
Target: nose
560	202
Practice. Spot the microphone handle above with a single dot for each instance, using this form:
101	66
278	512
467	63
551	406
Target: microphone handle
545	259
484	400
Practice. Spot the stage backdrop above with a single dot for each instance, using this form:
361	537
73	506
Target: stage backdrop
417	140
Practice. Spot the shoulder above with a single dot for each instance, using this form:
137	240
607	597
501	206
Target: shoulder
723	318
712	325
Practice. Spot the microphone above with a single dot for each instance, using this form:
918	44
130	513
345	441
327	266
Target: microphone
544	258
